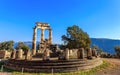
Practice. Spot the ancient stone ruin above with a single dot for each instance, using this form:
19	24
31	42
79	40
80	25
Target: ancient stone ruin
42	26
67	60
4	54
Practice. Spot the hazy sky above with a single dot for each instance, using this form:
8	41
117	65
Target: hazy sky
99	18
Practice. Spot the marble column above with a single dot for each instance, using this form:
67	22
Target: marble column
94	53
28	55
67	54
50	36
89	53
42	35
13	54
34	41
78	54
19	54
70	52
81	53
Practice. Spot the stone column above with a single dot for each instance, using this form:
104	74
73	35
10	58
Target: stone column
19	54
50	36
5	54
78	54
42	35
13	54
70	52
89	53
28	55
81	56
94	53
34	41
67	54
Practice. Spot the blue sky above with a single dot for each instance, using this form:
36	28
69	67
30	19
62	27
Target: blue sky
99	18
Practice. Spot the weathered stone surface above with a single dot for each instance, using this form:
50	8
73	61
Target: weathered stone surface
46	54
56	65
89	53
42	35
34	41
70	52
67	54
61	55
50	36
19	54
28	55
4	54
42	26
78	54
13	54
81	53
73	53
94	53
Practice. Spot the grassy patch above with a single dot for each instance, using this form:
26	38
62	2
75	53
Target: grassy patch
90	72
93	70
1	63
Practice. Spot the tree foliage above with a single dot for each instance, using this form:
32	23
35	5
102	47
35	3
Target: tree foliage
21	45
99	50
7	45
76	38
117	50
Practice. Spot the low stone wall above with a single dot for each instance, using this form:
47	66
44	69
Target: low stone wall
73	53
4	54
55	65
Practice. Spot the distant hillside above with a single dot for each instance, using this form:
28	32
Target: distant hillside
105	44
28	43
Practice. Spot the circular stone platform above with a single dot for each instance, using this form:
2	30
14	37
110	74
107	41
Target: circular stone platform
53	65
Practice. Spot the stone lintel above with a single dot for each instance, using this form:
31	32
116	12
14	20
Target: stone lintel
40	24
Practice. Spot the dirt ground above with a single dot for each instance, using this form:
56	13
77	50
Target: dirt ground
5	73
111	70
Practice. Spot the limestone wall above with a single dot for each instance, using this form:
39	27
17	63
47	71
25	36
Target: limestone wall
4	54
73	53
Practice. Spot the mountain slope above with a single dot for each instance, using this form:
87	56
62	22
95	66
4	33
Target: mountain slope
107	45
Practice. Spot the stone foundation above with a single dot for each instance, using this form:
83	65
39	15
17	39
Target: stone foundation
57	65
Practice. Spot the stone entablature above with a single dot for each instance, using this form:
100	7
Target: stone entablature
42	25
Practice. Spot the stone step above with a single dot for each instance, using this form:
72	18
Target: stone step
53	66
43	70
58	66
49	63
